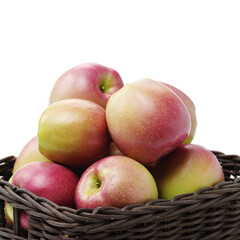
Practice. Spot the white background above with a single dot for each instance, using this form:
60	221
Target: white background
193	45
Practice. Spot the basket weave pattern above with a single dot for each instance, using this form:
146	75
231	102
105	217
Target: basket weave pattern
209	213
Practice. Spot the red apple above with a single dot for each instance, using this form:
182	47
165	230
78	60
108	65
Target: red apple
187	169
29	153
49	180
191	109
89	81
115	181
146	120
73	132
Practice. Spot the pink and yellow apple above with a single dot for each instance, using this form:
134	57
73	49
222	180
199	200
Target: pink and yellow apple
29	153
189	168
49	180
90	81
146	120
115	181
191	109
73	132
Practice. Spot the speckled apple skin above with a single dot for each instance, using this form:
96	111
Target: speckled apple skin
83	81
73	132
146	120
30	153
123	181
187	169
49	180
191	109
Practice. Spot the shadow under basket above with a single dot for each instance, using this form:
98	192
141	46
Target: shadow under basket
209	213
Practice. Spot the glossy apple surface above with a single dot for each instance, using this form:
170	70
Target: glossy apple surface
191	109
146	120
90	81
115	181
73	132
49	180
29	153
187	169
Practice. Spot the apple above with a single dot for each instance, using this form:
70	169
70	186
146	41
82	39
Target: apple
189	168
191	109
146	120
90	81
115	181
8	211
73	132
49	180
29	153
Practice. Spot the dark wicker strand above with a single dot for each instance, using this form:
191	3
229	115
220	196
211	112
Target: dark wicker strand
209	213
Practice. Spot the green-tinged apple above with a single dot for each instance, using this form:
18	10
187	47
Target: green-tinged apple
115	181
146	120
8	211
189	168
29	153
90	81
49	180
73	132
191	109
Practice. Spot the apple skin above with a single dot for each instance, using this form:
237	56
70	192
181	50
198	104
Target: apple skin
49	180
146	120
90	81
189	168
115	181
73	132
8	211
29	153
191	109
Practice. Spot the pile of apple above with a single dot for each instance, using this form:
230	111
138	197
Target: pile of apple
103	143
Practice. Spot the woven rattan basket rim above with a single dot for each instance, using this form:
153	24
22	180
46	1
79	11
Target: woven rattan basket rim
42	208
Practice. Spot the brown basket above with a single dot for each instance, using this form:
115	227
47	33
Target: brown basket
209	213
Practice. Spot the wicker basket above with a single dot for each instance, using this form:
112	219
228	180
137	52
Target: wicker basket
210	213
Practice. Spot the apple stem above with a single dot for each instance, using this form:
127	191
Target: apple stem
98	184
102	87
